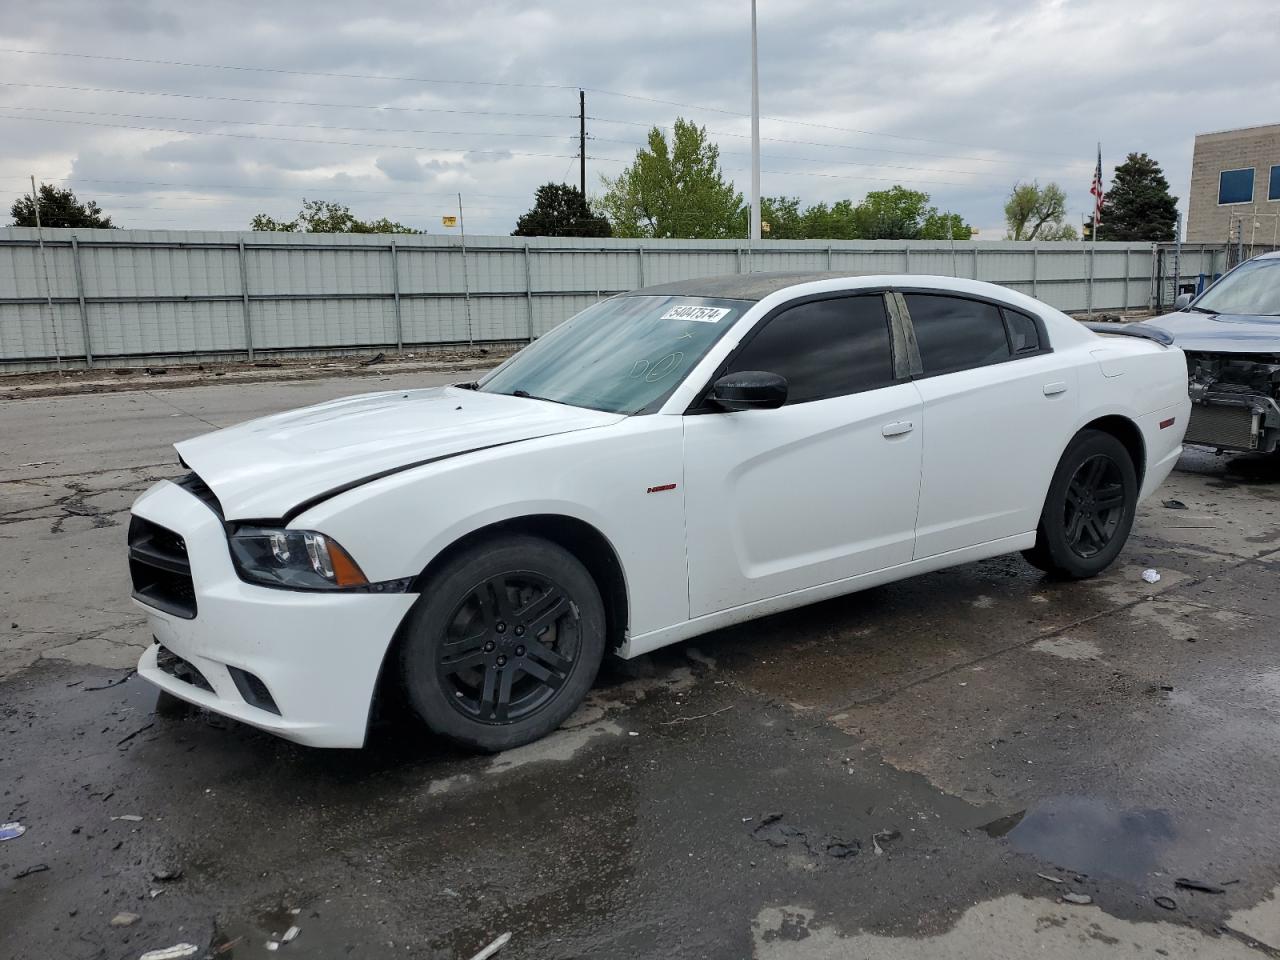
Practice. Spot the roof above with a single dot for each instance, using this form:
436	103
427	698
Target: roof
735	286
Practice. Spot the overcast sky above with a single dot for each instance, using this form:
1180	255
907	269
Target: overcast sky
957	99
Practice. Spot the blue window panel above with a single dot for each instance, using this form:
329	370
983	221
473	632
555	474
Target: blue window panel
1235	186
1273	191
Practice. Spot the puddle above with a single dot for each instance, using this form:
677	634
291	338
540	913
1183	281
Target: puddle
1087	836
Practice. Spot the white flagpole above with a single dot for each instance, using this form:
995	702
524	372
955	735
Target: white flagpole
755	133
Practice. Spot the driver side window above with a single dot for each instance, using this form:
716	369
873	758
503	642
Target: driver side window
824	348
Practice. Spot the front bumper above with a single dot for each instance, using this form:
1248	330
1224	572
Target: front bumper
318	654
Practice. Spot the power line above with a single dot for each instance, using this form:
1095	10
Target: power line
292	73
287	103
827	143
256	136
303	126
492	83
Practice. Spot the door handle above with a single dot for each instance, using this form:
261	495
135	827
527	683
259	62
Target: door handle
897	429
1055	388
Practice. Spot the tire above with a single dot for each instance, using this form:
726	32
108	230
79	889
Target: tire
1089	510
503	644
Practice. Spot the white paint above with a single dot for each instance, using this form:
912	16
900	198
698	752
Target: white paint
773	509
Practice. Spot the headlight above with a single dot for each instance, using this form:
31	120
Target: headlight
296	559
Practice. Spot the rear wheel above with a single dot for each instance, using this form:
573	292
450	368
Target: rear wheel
504	643
1090	508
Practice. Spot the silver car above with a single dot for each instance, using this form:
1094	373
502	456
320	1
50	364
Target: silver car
1231	336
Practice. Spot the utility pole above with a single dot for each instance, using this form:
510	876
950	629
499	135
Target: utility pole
466	279
755	132
582	142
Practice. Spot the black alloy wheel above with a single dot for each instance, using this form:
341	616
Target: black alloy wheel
1089	509
1094	505
503	643
510	646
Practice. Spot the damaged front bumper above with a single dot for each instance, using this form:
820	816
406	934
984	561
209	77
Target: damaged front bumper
1234	421
303	666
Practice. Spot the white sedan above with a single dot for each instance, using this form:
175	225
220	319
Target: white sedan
665	463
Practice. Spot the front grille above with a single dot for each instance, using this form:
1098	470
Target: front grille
160	569
1223	425
180	669
200	490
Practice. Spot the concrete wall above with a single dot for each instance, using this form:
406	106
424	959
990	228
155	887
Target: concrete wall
1208	221
119	295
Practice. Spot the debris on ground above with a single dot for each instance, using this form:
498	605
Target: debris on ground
129	818
11	831
176	952
1151	576
1080	899
167	874
113	683
773	831
1167	902
885	836
155	371
1186	883
376	358
290	934
38	868
125	919
1175	505
1045	876
142	729
493	948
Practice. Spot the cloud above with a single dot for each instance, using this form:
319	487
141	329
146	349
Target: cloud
958	100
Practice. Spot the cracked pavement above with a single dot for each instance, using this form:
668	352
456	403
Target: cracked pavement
1000	738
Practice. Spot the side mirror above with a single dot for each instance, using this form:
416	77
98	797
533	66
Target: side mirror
749	390
1183	301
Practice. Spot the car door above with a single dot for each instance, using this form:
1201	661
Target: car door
822	488
999	406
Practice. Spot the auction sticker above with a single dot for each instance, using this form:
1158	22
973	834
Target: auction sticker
698	314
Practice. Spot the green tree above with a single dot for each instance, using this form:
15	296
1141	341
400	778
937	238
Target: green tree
560	210
1138	206
783	215
674	189
1034	212
325	216
835	222
58	208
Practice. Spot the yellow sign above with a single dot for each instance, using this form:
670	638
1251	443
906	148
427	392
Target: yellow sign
764	226
449	221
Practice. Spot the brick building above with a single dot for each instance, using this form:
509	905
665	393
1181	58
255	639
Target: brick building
1235	185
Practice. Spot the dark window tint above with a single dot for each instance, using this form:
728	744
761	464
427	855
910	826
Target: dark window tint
954	334
1273	188
825	348
1022	332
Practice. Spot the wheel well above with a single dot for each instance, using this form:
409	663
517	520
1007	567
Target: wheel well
581	539
1127	432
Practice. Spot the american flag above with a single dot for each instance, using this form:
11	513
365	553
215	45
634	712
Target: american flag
1097	191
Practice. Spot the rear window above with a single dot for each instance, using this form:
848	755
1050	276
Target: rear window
1024	335
956	334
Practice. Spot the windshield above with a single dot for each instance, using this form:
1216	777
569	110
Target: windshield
1251	288
623	355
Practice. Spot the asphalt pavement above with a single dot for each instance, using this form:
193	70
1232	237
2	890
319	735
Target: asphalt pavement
939	767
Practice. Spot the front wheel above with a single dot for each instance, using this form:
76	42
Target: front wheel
504	643
1090	508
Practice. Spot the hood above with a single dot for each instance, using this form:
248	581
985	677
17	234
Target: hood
1221	332
266	468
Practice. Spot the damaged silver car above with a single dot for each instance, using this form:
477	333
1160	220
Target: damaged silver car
1231	336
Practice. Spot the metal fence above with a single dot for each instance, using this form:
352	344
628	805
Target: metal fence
1186	268
120	296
